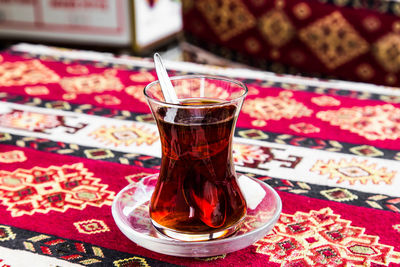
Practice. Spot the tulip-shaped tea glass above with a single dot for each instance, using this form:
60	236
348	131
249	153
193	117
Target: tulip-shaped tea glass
197	196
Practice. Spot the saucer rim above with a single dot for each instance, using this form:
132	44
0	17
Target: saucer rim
170	241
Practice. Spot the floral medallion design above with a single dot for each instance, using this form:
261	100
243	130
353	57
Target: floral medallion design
387	52
371	23
302	11
305	128
226	27
12	156
125	135
252	45
26	73
354	171
98	153
339	194
92	226
253	134
37	90
366	150
276	108
93	83
55	188
276	27
322	238
334	40
325	101
379	122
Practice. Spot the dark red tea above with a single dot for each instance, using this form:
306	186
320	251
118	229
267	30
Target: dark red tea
197	190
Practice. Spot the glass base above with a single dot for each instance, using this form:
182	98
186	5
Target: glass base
185	236
130	211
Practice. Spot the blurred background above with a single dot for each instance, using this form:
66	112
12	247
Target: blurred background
356	40
121	26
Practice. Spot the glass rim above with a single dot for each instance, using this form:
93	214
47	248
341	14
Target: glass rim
199	76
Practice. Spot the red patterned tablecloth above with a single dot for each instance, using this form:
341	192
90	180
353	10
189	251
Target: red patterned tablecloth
75	130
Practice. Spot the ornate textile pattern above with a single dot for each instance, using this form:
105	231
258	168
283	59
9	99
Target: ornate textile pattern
276	27
136	91
387	52
29	120
77	69
322	238
125	135
354	171
142	77
334	40
56	188
302	11
325	101
92	226
134	261
372	122
249	156
12	156
26	73
65	154
37	90
339	194
93	83
224	25
107	100
38	122
349	39
304	128
362	150
275	108
6	233
67	249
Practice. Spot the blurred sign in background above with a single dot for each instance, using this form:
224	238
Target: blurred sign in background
141	24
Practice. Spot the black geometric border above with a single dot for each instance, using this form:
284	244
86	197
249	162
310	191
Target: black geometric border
70	250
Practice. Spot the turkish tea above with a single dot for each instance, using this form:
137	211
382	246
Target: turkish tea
197	191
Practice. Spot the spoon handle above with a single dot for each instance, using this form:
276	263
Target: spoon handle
165	83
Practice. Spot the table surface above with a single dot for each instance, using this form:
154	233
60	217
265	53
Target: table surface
75	129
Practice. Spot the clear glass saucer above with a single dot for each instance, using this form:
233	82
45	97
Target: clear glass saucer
130	210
